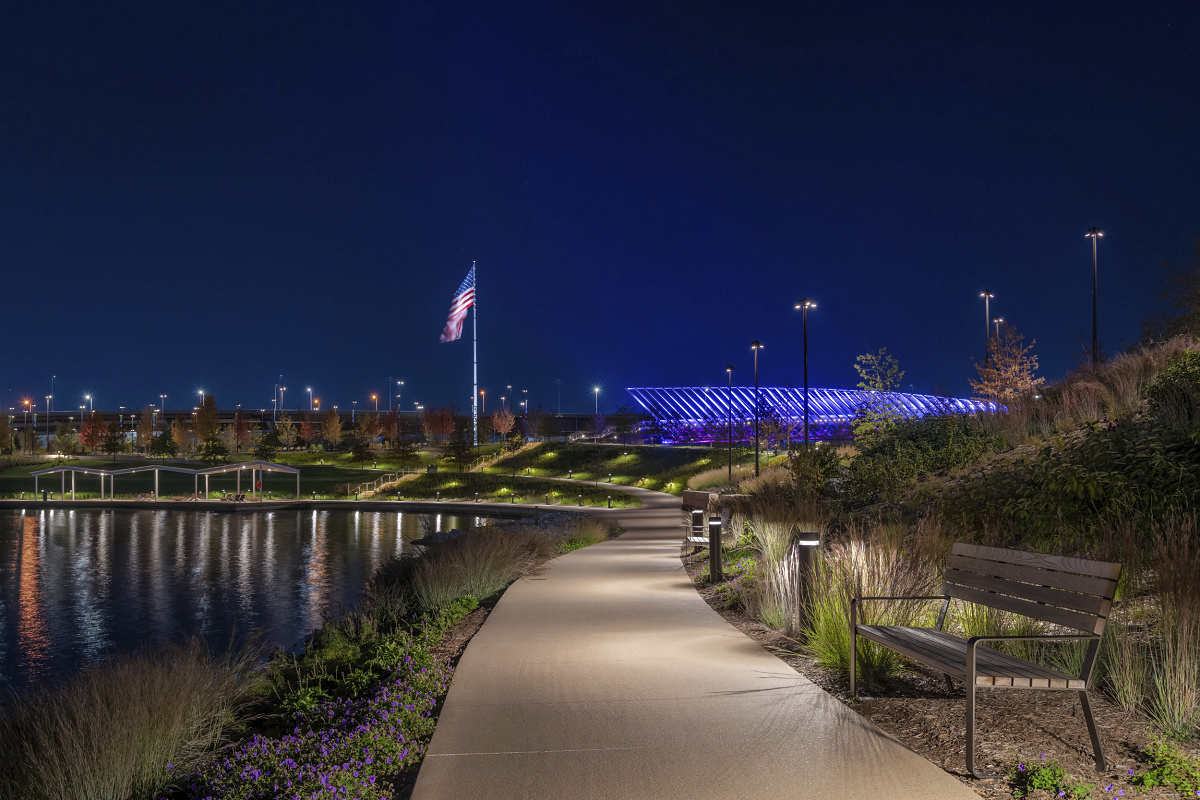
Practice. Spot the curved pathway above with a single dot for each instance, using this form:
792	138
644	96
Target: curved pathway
608	677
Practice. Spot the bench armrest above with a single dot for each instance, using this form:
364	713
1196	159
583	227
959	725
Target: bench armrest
974	641
854	601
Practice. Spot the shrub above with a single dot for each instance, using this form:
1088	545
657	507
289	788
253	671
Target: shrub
124	728
1169	767
813	467
1047	776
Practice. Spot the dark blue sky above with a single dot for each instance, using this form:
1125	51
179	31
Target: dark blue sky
206	195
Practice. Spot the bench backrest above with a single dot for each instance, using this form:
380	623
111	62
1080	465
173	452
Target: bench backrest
1072	592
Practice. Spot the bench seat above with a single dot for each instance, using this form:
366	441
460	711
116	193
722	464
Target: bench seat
948	654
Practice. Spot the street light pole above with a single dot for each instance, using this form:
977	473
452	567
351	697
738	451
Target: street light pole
596	416
310	398
987	331
803	306
997	321
729	406
1095	234
756	346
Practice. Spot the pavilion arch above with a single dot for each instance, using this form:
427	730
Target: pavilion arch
257	468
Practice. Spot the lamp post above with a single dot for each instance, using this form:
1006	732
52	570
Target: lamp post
483	402
375	397
596	415
525	416
729	405
803	306
987	331
756	346
510	394
49	397
50	407
310	403
1095	234
162	409
25	427
282	389
996	321
88	397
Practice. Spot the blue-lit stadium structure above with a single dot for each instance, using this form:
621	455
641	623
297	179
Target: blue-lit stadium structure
700	413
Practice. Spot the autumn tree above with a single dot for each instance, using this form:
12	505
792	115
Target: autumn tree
182	436
145	429
6	435
503	422
438	423
91	436
308	430
331	428
229	438
241	430
1009	373
372	426
207	422
391	425
285	429
404	451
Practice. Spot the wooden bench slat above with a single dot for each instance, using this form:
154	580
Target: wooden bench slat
1085	603
988	660
1102	587
1082	566
998	660
1055	616
948	653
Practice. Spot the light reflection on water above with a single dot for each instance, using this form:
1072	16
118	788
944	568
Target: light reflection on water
78	585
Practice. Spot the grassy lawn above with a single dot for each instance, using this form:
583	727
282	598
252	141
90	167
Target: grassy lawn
665	469
503	489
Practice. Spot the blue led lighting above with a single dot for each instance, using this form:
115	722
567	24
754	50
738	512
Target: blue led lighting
829	410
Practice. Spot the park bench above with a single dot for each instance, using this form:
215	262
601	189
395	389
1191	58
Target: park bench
1071	594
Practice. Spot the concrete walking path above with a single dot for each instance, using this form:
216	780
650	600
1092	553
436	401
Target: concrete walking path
608	677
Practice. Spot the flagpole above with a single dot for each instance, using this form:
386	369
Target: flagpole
475	361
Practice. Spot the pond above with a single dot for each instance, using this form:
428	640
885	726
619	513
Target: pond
79	585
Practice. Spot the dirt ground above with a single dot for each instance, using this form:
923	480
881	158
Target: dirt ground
1012	726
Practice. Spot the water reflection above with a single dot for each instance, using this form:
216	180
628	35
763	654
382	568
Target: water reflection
79	585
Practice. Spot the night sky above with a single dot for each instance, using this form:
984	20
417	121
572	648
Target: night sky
208	196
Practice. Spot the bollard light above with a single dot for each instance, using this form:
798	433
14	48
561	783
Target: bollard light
547	498
439	497
715	572
581	499
610	501
477	497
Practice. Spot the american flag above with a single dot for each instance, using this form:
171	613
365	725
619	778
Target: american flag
464	298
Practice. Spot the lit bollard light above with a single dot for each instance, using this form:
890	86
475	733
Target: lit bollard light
610	501
715	572
802	556
581	499
547	498
477	497
439	497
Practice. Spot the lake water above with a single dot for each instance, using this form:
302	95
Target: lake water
78	585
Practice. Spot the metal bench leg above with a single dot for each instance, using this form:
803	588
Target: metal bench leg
971	727
1101	764
949	683
853	646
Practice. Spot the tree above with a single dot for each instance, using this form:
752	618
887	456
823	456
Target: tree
308	430
360	447
1009	374
1182	294
93	432
213	450
503	422
207	422
404	451
182	436
64	438
266	447
145	429
624	420
457	448
163	445
229	438
599	426
372	427
241	430
6	435
391	425
533	421
114	440
881	373
331	429
285	429
438	423
878	371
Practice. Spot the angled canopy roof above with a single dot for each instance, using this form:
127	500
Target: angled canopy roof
697	403
265	466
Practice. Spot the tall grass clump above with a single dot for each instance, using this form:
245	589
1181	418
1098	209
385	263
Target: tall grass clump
477	563
872	559
124	728
718	477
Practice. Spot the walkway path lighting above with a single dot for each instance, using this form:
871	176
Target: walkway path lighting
803	306
1095	234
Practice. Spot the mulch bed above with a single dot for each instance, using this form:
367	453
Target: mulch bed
1012	726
